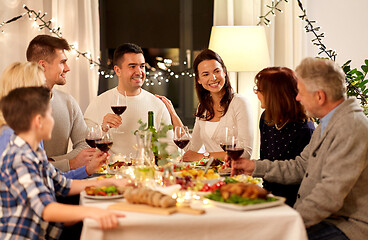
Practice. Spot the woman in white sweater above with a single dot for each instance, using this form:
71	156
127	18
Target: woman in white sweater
219	107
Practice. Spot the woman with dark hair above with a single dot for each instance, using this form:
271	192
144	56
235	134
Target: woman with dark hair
219	107
284	126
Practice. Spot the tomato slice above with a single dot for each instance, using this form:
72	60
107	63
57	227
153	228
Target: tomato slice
101	193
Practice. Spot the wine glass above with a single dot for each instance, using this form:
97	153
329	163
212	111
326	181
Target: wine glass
121	104
234	151
104	141
181	137
227	136
93	134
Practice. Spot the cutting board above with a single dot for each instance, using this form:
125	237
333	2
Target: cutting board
125	206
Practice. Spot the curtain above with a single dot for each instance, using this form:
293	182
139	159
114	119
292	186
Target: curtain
285	37
79	21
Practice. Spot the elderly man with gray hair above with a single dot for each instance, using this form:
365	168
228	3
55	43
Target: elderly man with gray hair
332	169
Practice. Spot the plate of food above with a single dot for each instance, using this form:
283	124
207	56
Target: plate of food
117	166
245	179
198	174
102	193
277	202
243	197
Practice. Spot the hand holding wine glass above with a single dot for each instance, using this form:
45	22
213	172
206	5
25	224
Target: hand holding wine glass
181	137
121	104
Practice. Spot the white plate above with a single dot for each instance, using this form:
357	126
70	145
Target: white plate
238	207
84	194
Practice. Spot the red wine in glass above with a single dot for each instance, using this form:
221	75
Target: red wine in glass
226	146
118	110
234	152
91	142
182	143
104	146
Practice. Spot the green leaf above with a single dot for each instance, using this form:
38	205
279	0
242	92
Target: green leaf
366	62
347	63
346	69
365	68
353	71
361	84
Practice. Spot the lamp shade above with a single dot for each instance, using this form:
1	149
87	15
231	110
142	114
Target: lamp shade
242	48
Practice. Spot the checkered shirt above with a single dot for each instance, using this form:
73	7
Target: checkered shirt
28	183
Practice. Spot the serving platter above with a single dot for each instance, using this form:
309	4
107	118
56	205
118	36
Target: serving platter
142	208
84	194
238	207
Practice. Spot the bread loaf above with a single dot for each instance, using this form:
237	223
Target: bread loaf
149	197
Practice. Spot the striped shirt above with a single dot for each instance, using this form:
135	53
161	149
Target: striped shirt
28	183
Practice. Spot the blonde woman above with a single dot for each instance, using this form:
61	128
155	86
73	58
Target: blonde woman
31	74
19	75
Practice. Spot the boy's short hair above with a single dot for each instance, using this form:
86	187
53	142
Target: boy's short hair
22	104
123	49
42	47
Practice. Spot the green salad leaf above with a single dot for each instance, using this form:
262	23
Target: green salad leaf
235	199
230	180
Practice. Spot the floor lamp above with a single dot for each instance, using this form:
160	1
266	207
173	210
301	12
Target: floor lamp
244	50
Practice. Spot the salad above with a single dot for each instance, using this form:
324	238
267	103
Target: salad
102	191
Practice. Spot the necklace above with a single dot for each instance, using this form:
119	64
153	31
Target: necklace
279	128
268	122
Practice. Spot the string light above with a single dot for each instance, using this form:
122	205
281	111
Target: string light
40	22
274	6
317	41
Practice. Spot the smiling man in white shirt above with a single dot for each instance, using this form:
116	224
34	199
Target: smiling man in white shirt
130	69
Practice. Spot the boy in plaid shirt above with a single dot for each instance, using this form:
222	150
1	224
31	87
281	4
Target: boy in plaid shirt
29	183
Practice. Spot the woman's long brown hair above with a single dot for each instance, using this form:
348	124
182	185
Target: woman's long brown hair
278	85
204	96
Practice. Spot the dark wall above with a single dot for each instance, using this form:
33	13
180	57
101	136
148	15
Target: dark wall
153	23
202	23
160	24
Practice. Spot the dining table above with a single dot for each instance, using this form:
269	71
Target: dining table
278	222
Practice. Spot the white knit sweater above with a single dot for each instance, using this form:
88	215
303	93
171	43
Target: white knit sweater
238	115
137	108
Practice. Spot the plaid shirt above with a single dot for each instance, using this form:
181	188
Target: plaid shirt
28	183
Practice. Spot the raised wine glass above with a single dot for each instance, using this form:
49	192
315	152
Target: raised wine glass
104	141
93	134
120	105
181	137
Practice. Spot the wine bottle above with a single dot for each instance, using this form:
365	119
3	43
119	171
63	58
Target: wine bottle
151	127
154	139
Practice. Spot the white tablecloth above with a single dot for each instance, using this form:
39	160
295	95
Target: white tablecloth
277	223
